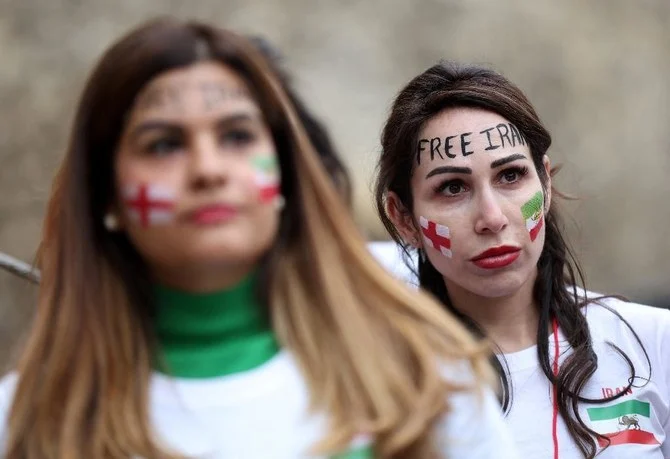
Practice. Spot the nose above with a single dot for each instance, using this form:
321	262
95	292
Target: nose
207	164
490	215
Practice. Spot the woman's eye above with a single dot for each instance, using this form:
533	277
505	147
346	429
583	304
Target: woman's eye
510	176
237	137
513	175
452	188
164	146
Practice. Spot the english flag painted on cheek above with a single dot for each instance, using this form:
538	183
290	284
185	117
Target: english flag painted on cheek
266	177
436	236
149	204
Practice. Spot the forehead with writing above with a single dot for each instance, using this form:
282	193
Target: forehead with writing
202	89
470	138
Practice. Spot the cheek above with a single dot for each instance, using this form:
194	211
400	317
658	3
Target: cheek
436	235
532	213
266	179
148	204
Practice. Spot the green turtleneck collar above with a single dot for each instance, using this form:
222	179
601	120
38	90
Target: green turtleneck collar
212	334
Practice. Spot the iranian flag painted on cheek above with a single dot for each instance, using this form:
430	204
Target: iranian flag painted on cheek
533	214
149	204
266	177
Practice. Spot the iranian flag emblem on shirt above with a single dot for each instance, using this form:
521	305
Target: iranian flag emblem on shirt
533	215
627	422
266	177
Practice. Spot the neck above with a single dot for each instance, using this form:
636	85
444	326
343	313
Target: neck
510	321
203	335
203	278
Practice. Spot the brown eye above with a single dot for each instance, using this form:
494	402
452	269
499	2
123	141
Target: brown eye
451	188
454	188
513	174
510	176
164	146
237	137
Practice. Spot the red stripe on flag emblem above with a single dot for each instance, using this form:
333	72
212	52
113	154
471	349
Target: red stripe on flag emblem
635	436
268	192
536	229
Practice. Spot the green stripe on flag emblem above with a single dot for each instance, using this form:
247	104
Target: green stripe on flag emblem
532	206
624	423
265	163
628	407
364	452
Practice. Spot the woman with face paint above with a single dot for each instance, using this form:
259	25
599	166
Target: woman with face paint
465	184
205	291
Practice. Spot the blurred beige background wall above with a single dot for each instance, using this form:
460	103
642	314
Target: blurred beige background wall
597	71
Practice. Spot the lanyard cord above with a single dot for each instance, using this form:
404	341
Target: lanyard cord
554	420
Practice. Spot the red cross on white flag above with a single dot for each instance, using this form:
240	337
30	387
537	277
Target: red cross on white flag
436	236
149	204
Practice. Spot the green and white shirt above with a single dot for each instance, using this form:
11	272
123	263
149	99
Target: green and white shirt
233	393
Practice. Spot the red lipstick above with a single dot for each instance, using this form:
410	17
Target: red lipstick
497	257
208	215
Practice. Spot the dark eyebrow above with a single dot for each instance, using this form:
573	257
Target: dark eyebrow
155	126
228	120
506	159
175	127
449	169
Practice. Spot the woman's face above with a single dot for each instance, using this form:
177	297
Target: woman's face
478	203
197	174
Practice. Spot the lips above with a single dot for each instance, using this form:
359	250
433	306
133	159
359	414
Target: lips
497	257
212	214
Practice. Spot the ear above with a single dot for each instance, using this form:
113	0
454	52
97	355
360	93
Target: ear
547	196
113	219
402	220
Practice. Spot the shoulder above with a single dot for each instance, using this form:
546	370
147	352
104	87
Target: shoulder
7	388
641	332
616	318
392	257
474	426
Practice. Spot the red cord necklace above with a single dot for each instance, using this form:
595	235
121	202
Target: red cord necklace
554	420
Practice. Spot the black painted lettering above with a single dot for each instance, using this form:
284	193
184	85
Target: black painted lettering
488	138
465	143
420	148
516	134
504	136
161	97
448	146
435	143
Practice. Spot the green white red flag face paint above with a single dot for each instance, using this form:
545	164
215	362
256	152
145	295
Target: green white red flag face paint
266	177
436	236
533	214
149	204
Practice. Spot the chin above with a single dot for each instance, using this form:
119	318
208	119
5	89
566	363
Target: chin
223	254
500	286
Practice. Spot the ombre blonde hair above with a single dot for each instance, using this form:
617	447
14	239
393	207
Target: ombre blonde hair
368	346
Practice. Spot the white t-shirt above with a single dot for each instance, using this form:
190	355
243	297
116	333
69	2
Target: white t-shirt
262	414
641	418
642	415
390	256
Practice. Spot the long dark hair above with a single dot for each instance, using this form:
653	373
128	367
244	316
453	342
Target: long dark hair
448	85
